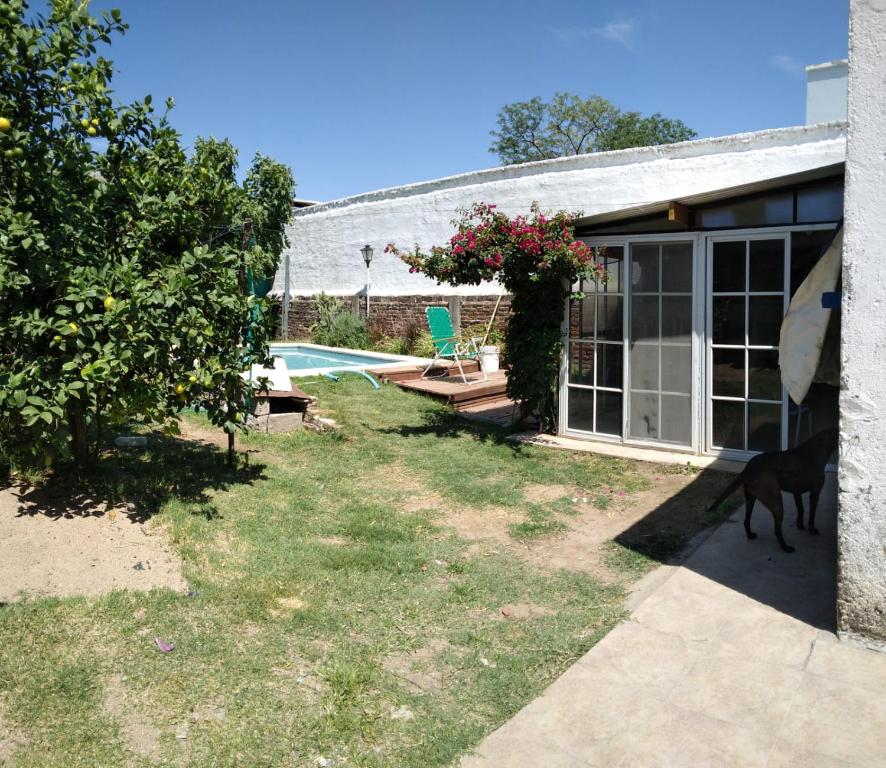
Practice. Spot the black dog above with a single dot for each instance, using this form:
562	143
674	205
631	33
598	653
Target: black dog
797	471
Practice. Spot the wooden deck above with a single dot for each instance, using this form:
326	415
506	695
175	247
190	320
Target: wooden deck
480	400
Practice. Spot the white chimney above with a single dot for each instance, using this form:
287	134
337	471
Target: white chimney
826	91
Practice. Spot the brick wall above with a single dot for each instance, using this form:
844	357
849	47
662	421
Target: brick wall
393	314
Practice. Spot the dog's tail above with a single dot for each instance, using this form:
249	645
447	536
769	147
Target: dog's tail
727	492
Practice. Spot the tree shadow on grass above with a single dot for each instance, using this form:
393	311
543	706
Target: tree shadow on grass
451	425
139	481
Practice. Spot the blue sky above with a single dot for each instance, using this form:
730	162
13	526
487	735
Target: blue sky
362	95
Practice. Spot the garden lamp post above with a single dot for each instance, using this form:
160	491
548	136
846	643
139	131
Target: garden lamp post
366	250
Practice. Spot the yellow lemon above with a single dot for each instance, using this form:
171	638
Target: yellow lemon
84	122
179	389
109	302
56	338
73	326
91	131
192	378
5	124
94	121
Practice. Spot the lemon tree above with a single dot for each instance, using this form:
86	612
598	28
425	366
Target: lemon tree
122	257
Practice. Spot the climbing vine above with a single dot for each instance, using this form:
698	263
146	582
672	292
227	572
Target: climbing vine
538	260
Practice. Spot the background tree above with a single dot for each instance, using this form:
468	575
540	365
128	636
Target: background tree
120	257
569	125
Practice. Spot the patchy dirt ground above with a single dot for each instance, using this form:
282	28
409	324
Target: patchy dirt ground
673	506
62	549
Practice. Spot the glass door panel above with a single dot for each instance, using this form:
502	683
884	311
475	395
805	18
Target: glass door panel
746	307
596	351
660	337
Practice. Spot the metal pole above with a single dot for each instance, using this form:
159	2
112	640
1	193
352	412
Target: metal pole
367	291
286	297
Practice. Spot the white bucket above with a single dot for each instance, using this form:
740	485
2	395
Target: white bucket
489	359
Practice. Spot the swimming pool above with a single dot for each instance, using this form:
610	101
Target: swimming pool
312	359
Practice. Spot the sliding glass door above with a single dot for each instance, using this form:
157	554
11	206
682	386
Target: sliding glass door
629	362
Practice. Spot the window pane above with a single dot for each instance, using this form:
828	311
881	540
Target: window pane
644	318
820	203
728	372
764	375
806	249
764	427
612	259
728	320
644	268
764	322
581	363
767	265
644	416
676	369
729	266
609	412
727	424
676	419
581	409
609	317
758	211
676	318
581	320
609	366
676	267
644	366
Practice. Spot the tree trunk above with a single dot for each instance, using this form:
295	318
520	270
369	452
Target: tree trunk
77	428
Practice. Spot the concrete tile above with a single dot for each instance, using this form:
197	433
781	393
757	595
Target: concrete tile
639	656
510	747
787	756
681	613
843	721
680	739
852	664
762	634
745	692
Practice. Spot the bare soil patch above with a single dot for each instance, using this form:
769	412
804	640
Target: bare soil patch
10	740
418	669
674	505
140	735
524	611
46	549
540	494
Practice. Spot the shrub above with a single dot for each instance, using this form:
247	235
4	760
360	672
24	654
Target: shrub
537	259
338	327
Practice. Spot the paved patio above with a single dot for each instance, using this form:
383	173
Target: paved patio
729	659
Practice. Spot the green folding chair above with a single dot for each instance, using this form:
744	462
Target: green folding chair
448	345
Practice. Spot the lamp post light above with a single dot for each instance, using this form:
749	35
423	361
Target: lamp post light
366	250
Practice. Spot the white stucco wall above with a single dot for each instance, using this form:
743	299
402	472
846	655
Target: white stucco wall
326	239
862	469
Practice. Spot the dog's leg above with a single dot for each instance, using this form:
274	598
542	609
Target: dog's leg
813	504
749	500
775	504
798	500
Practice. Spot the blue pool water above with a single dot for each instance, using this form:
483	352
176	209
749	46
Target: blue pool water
299	358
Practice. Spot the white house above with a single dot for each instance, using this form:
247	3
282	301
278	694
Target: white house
705	242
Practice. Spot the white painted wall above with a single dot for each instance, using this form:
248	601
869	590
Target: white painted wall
326	239
826	92
862	469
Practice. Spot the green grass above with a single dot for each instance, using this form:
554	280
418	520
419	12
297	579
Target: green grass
315	575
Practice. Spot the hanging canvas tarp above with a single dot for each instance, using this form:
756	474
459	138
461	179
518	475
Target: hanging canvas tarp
805	326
